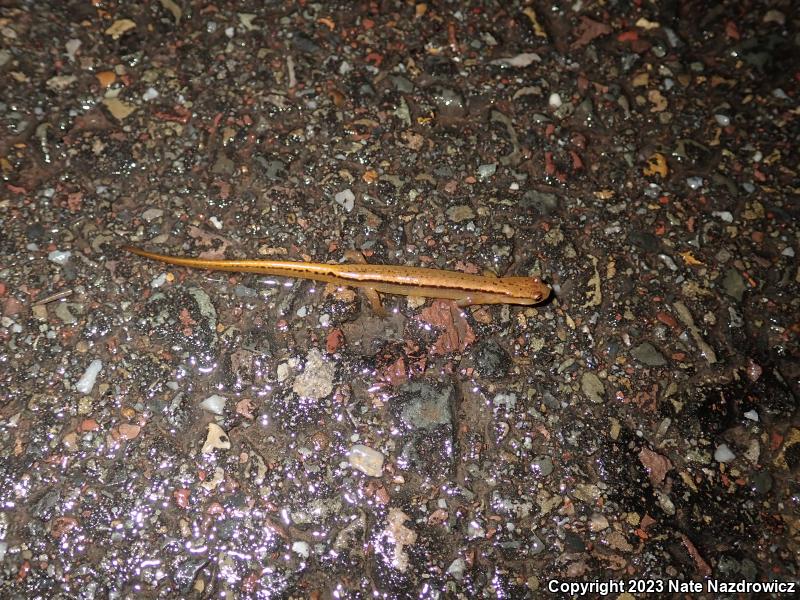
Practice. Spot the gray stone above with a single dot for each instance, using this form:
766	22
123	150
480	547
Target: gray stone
646	353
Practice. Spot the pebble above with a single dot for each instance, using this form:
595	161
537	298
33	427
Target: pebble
723	454
346	199
366	460
554	101
129	431
486	171
761	482
316	380
214	404
646	353
733	283
151	214
59	257
694	182
71	47
593	387
456	569
150	94
507	400
215	439
598	522
722	120
428	408
725	215
520	60
542	465
536	545
752	415
87	380
302	549
492	360
459	213
774	16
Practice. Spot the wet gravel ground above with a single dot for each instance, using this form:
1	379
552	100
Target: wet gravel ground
178	433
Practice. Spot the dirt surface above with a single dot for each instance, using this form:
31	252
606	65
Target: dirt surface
177	433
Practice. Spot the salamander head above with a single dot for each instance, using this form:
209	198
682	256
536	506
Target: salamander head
527	290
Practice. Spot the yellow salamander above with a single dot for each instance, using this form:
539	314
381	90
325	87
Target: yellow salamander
464	288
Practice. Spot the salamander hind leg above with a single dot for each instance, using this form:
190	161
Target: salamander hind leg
375	301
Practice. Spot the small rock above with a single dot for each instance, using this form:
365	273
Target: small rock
593	387
723	454
428	408
316	380
509	401
486	171
774	16
733	283
366	460
646	353
554	101
694	182
214	404
216	438
61	82
87	380
346	199
492	360
598	522
456	569
119	110
459	213
129	431
302	549
542	465
761	482
520	60
537	545
70	441
59	257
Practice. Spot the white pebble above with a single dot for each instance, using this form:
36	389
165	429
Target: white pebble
87	380
723	120
694	182
216	438
788	251
72	47
301	549
725	215
159	280
151	214
150	94
366	460
214	404
215	222
457	568
59	257
752	415
346	199
554	101
723	454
